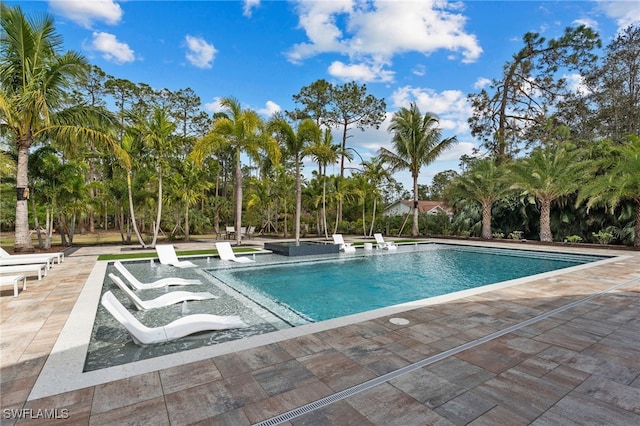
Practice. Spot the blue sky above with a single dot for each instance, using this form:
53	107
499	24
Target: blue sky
432	52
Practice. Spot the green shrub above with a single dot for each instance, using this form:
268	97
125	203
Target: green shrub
603	237
516	235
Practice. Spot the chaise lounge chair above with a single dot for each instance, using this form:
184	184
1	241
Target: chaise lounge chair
14	280
164	300
50	257
190	324
167	255
135	283
345	247
382	244
226	253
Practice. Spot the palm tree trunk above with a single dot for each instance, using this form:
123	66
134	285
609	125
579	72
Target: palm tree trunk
545	221
364	224
636	237
156	229
373	217
131	212
486	220
186	222
414	230
324	204
298	199
22	242
238	199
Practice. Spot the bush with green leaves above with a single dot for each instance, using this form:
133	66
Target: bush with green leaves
603	237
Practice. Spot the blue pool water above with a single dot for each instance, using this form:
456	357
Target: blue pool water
323	289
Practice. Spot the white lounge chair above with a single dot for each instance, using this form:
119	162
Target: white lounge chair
135	283
345	247
40	268
59	256
181	327
14	280
226	253
167	255
382	244
164	300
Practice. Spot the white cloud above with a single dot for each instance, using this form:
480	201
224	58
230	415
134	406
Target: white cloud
625	13
380	29
481	83
85	12
269	109
112	50
587	22
360	72
450	106
249	5
200	53
213	106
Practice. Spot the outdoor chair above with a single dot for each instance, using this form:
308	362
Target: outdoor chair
167	255
165	300
382	244
190	324
226	253
59	256
345	247
164	282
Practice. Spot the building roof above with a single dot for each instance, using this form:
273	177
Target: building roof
424	206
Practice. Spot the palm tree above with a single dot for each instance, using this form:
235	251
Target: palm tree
548	174
188	187
418	142
375	173
156	135
242	130
296	143
620	182
33	79
482	183
324	152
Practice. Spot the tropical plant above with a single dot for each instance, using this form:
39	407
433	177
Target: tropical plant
155	133
188	187
241	130
376	174
549	174
33	78
324	152
620	182
482	183
296	143
417	141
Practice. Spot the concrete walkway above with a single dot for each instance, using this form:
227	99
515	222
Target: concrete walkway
555	351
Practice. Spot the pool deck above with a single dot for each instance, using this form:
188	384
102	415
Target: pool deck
558	350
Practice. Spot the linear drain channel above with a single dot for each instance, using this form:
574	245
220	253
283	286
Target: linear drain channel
297	412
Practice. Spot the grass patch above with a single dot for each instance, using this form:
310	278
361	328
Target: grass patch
153	255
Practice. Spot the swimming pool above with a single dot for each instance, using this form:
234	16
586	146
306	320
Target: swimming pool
276	292
322	289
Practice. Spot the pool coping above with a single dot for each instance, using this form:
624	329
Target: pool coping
62	371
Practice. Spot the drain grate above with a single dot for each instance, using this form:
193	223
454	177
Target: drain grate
297	412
